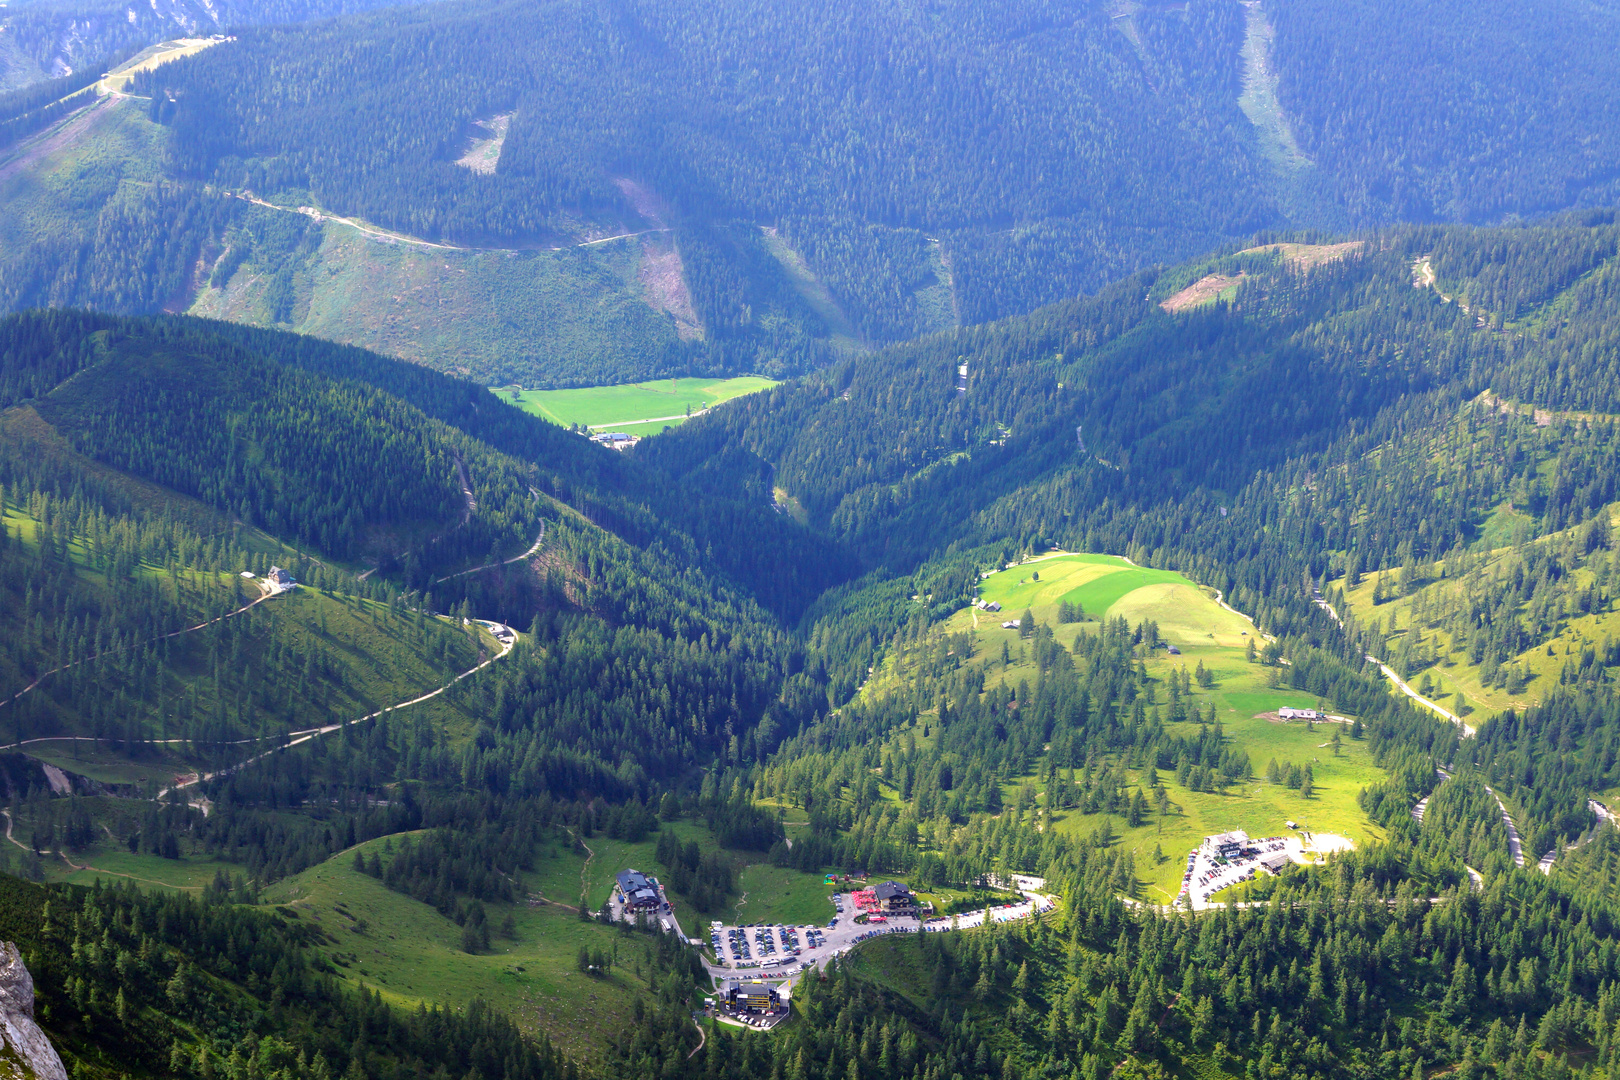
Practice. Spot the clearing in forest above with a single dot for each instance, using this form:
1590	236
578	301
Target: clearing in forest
117	81
642	408
1203	291
483	149
1310	256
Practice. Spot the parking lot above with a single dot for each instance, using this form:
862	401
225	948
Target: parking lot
774	951
1206	876
777	949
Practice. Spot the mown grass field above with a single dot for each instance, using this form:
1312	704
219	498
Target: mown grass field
779	895
632	407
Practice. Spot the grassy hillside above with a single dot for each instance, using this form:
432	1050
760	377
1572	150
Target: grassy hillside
535	316
306	658
1436	620
412	954
1244	694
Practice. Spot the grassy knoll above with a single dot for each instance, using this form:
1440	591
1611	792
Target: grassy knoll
1259	808
410	953
114	867
106	857
773	893
627	407
1189	617
1096	582
144	767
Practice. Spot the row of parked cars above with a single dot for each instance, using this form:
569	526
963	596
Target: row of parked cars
767	940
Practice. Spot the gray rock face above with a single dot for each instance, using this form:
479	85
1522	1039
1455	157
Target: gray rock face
27	1052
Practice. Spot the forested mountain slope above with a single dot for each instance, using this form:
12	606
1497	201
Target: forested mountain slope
1085	413
49	39
765	188
701	678
1322	422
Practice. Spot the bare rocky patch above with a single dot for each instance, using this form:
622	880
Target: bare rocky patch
483	150
663	286
1201	291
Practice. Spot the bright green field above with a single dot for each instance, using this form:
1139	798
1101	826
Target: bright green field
633	407
1095	581
1106	585
780	895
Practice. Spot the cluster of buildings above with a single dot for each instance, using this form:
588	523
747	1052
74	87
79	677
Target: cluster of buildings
889	898
616	440
1236	845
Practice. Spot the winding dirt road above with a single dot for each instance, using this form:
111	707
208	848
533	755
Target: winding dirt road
138	644
315	733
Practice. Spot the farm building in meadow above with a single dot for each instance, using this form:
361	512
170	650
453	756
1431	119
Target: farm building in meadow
637	891
1300	714
1226	845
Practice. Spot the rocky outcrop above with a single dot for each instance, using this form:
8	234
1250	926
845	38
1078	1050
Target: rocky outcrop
27	1052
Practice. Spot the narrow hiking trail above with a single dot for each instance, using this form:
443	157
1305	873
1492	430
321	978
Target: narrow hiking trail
272	592
584	872
297	738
